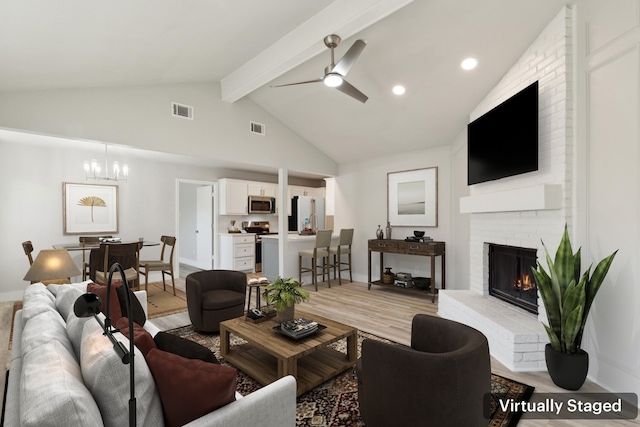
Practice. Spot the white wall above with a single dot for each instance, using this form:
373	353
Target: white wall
361	203
140	117
608	184
31	180
549	61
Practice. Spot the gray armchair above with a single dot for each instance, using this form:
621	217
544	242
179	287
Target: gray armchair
441	380
214	296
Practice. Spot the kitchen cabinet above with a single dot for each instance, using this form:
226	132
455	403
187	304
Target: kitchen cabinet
233	197
237	252
297	190
262	189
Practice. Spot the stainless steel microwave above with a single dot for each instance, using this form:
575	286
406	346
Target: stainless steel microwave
262	205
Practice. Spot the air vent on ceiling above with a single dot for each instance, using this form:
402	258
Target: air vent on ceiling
181	110
257	128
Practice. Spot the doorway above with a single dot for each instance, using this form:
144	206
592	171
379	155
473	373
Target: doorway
196	223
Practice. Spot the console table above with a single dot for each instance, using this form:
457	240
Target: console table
428	249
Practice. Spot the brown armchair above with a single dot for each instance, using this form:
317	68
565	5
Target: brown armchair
441	380
214	296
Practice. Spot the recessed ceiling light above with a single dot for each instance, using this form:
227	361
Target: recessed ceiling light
398	89
469	64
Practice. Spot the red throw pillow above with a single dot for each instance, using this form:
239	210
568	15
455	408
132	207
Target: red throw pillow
141	337
190	388
100	289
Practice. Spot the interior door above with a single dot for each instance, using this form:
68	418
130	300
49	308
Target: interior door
204	227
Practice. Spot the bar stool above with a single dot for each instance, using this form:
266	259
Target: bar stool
257	286
343	248
321	250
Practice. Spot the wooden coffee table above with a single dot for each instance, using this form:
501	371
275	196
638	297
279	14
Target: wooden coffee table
268	355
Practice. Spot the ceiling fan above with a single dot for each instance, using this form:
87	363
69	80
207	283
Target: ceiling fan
334	73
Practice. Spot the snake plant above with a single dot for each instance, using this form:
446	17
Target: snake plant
284	292
567	295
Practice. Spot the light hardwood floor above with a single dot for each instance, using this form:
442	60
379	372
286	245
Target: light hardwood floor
385	312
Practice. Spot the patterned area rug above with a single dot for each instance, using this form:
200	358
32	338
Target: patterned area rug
335	402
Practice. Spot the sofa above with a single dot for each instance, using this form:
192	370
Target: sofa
64	371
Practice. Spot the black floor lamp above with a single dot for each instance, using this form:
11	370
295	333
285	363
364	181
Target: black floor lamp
88	305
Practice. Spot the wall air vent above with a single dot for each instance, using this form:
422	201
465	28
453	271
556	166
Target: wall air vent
181	110
257	128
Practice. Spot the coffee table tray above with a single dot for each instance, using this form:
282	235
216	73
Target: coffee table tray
279	330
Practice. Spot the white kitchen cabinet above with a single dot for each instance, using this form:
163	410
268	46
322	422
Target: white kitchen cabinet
238	252
262	189
233	197
297	190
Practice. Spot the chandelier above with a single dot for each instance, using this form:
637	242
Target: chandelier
93	170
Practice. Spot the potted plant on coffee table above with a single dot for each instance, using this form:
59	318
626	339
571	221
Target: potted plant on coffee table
284	293
567	296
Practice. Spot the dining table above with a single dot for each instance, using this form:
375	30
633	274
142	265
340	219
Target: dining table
96	254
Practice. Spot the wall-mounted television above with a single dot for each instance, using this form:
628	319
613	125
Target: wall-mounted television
504	141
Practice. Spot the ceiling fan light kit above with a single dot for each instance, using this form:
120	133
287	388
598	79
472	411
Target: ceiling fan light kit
333	80
334	73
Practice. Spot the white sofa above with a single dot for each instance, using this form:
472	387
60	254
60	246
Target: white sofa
50	383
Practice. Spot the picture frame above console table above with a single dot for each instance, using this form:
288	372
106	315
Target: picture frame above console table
428	249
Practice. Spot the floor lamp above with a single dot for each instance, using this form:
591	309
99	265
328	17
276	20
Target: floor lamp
88	305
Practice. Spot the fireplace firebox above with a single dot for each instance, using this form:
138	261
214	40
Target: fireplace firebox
510	277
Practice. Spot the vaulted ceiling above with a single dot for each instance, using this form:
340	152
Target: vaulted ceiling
251	45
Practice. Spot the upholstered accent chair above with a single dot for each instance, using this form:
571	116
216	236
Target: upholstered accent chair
214	296
441	380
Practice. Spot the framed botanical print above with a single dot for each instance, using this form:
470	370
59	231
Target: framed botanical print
412	197
90	208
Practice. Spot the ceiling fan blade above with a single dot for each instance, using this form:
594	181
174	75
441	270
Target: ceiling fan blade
300	83
344	65
348	89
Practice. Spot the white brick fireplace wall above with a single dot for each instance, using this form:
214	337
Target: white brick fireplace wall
522	210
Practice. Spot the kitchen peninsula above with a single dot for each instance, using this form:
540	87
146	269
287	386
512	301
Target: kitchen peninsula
295	244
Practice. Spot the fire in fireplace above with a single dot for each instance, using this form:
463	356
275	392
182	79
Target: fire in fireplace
510	277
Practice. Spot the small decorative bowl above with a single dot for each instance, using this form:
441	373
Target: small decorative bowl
418	233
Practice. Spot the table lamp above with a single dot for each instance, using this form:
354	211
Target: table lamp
52	266
88	305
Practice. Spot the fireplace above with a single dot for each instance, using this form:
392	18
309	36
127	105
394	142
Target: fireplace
510	277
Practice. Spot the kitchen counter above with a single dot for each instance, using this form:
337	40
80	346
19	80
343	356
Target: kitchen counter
293	237
295	243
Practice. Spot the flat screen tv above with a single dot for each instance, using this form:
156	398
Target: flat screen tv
504	141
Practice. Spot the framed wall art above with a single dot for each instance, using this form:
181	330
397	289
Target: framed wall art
89	208
412	197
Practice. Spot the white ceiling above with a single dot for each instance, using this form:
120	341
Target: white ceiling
90	43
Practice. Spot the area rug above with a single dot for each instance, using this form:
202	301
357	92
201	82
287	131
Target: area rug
335	402
163	303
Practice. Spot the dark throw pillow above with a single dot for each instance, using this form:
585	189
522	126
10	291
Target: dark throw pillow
138	312
183	347
190	388
141	337
100	289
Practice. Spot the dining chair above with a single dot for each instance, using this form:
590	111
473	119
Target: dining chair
127	255
319	251
164	265
28	248
343	248
88	240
